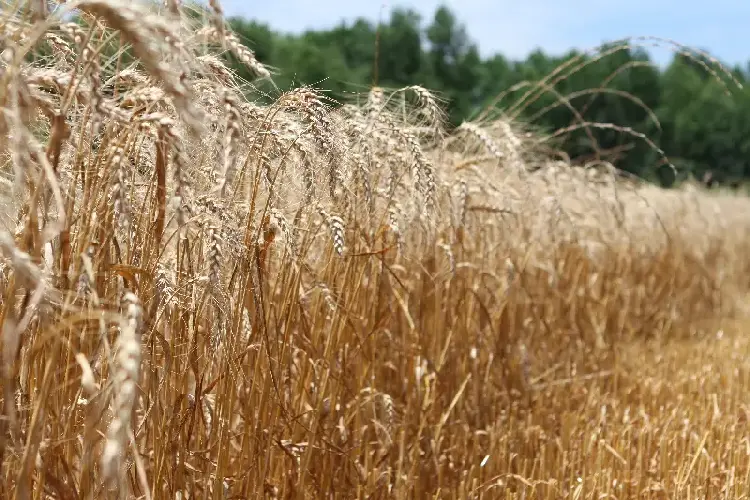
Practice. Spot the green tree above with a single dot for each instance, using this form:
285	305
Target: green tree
400	56
456	64
702	128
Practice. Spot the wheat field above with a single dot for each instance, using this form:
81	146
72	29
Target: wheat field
208	297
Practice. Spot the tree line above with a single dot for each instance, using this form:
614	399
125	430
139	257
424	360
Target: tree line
692	110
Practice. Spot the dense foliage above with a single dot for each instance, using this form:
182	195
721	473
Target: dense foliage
703	116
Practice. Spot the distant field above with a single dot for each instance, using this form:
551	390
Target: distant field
207	298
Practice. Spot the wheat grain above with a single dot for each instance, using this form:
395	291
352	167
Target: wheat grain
231	138
214	256
336	226
126	376
244	54
144	30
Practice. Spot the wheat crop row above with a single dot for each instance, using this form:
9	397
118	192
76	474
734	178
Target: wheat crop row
206	297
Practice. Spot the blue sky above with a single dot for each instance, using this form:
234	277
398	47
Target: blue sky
516	27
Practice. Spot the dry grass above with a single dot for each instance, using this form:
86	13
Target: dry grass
206	298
